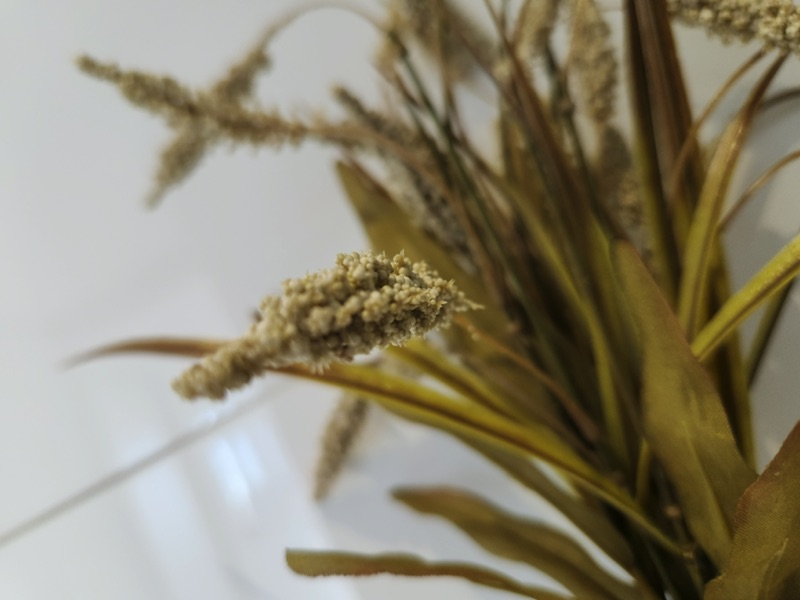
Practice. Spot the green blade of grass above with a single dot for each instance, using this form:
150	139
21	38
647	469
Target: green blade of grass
767	327
424	405
326	564
517	538
581	510
683	418
773	277
702	237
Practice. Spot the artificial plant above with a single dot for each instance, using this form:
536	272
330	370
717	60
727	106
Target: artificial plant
575	276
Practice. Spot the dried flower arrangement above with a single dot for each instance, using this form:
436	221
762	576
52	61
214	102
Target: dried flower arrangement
592	330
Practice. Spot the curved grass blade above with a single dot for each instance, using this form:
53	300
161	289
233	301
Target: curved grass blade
408	398
727	368
421	355
776	274
767	326
326	564
683	418
422	404
759	183
700	243
661	121
580	417
722	92
583	512
765	557
429	407
509	536
533	407
186	347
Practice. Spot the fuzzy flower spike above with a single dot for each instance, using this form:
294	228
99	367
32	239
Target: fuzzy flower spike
366	301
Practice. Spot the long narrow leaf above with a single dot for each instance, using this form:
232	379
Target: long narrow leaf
645	60
767	327
422	404
420	354
683	418
325	564
582	511
419	403
520	539
703	232
776	274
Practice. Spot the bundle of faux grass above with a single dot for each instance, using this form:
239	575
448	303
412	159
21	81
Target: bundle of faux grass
607	346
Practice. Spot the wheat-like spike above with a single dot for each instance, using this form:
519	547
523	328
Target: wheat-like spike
775	23
366	301
535	24
341	434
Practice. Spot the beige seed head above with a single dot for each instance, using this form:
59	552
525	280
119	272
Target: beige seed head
776	23
593	61
537	18
618	186
341	433
366	301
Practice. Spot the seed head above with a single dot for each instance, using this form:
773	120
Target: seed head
776	23
366	301
594	62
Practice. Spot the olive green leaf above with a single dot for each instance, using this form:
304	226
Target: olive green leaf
683	419
660	121
325	564
700	244
185	347
516	538
765	558
427	406
420	354
776	274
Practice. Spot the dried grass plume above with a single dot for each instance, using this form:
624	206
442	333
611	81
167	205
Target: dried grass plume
776	23
366	301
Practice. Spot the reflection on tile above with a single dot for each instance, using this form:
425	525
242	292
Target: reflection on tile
209	521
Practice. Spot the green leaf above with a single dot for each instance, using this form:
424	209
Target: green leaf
657	92
683	418
701	242
767	327
582	511
765	558
433	362
185	347
424	405
325	564
776	274
429	407
509	536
